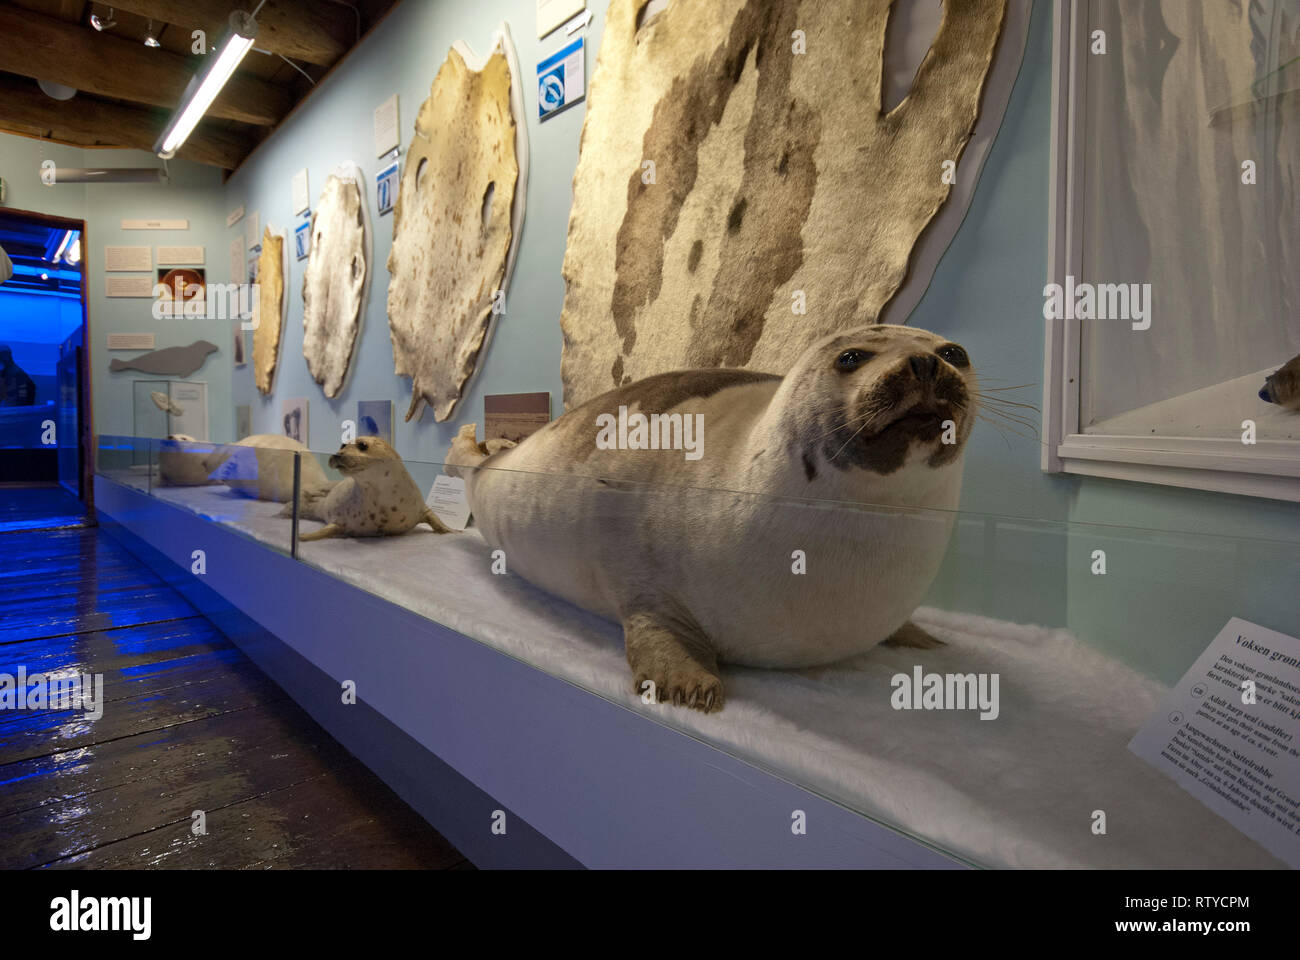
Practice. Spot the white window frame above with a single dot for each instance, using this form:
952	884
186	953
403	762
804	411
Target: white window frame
1269	468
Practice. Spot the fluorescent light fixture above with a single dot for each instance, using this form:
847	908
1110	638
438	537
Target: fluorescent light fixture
63	245
103	23
203	89
73	256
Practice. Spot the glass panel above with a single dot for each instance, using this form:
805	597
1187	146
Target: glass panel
1189	208
793	596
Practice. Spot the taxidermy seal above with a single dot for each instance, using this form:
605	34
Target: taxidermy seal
699	559
376	498
261	466
180	465
1282	386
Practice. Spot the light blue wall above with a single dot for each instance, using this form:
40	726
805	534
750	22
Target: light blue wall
194	193
403	55
1164	595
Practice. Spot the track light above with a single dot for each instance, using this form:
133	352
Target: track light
203	89
102	23
149	39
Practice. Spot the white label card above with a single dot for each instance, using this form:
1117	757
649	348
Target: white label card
128	287
128	259
552	14
130	341
447	499
253	229
155	224
301	195
387	130
1228	734
181	256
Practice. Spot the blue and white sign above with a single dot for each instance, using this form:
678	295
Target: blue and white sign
386	188
302	238
561	79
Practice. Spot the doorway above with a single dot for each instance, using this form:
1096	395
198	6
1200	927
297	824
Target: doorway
45	429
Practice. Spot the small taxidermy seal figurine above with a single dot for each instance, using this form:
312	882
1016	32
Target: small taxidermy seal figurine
805	530
376	498
1283	385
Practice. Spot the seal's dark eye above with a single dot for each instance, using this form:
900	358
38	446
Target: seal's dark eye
852	359
954	355
361	446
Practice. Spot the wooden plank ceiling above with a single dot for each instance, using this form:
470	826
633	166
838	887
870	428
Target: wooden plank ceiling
127	90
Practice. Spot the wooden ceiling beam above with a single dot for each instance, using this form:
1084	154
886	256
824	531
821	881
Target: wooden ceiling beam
86	122
318	33
47	48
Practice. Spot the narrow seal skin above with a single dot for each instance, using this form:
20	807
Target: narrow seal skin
781	544
376	498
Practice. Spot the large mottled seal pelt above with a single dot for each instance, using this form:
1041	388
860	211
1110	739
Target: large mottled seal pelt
261	466
776	542
376	498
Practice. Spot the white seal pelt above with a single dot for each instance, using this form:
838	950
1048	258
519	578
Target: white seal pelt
261	466
774	537
376	498
182	461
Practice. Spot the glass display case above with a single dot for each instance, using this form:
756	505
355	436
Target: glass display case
1001	742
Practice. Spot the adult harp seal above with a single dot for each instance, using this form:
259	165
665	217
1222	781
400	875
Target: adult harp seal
700	559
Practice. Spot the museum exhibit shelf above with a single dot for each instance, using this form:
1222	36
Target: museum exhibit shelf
531	698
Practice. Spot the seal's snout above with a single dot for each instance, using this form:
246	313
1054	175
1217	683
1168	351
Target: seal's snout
1265	394
924	366
334	460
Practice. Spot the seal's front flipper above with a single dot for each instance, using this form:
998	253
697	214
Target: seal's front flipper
682	668
432	520
329	530
910	635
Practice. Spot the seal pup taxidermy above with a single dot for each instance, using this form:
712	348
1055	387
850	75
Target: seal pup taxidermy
852	461
376	498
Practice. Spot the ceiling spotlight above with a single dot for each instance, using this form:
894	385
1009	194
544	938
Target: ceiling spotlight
103	23
149	39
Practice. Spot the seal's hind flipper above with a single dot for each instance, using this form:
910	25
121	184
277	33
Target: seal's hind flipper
329	530
682	669
432	520
910	635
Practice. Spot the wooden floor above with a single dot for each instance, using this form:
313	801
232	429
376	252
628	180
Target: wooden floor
188	724
28	507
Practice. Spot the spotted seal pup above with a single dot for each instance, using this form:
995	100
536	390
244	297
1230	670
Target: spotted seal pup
376	498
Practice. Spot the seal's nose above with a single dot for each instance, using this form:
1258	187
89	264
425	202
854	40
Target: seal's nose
924	365
334	461
1264	394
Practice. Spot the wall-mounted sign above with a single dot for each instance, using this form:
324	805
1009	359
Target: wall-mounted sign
128	287
181	256
155	224
302	239
128	259
252	230
551	14
561	80
234	216
387	132
131	341
386	188
301	197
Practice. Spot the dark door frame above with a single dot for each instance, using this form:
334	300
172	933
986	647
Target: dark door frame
85	412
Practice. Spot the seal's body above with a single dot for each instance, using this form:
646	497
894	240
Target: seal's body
376	498
782	545
261	466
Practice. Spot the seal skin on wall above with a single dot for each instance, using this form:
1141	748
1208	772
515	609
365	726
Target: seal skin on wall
270	310
333	282
452	227
735	199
